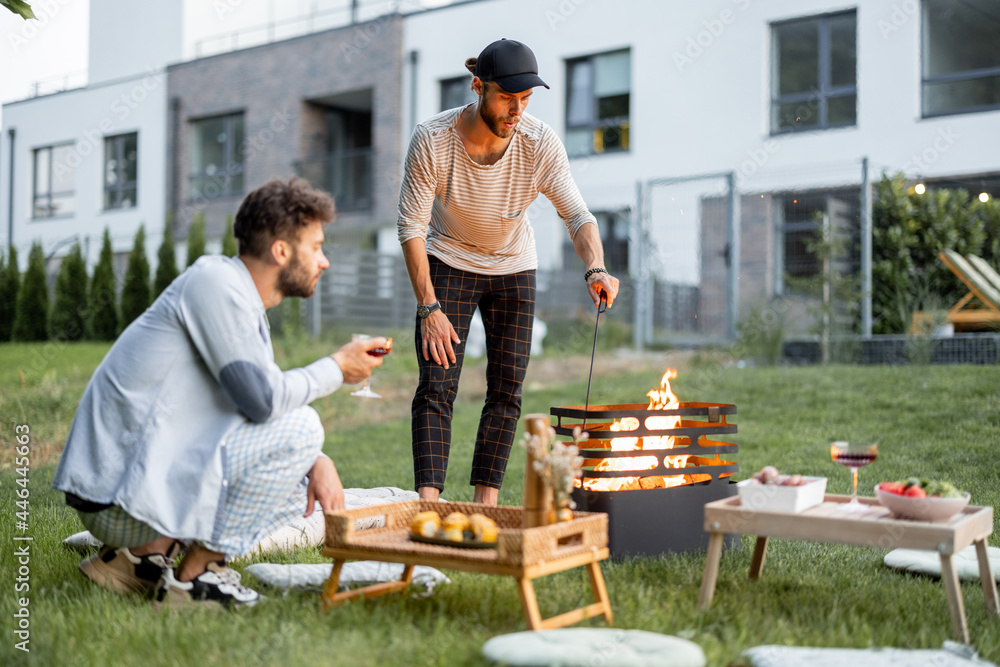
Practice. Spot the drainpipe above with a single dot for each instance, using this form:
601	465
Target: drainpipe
414	57
174	167
12	132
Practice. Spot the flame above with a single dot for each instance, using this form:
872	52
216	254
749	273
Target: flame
659	399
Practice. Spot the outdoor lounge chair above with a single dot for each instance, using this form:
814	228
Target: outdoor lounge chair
979	309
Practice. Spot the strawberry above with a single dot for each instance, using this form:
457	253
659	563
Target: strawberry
915	492
892	487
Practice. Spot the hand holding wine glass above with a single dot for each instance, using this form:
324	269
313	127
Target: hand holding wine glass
853	456
355	361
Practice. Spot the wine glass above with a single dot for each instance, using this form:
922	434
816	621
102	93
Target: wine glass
853	456
365	391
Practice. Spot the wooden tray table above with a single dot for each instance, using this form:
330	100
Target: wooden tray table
874	528
381	533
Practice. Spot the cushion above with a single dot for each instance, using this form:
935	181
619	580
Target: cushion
951	654
929	562
313	576
569	647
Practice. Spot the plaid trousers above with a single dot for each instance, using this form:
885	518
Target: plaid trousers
507	306
263	481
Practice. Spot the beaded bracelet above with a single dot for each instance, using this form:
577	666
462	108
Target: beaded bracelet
592	271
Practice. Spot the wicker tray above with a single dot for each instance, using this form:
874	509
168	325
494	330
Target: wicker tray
382	533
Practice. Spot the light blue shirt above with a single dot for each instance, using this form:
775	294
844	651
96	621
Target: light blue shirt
149	433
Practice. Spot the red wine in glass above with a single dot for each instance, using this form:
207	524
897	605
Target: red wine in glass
855	459
382	351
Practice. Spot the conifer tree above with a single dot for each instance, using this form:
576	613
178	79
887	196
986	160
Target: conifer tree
70	303
10	282
31	320
103	309
135	293
166	260
196	238
230	247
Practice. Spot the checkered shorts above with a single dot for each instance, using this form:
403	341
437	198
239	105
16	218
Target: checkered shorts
264	486
507	306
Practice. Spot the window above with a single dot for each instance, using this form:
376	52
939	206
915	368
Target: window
597	105
814	73
216	157
804	221
121	164
54	184
961	61
457	92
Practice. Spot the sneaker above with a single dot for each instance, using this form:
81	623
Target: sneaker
119	569
217	585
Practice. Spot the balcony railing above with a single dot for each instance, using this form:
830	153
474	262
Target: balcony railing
347	175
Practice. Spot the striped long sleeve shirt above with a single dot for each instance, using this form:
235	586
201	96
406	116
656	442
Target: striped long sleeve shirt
475	217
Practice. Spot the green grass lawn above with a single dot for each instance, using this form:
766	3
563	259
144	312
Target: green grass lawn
940	421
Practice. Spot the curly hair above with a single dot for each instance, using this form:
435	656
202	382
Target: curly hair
278	210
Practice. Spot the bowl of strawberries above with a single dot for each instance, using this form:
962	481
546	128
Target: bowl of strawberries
922	499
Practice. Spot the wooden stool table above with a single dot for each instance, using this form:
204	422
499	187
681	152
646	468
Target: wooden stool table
381	533
874	528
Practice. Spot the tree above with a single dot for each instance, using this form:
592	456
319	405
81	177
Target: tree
31	320
135	293
166	260
19	7
70	303
10	283
196	238
230	247
103	312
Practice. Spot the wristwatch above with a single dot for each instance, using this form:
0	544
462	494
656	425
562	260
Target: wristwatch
423	312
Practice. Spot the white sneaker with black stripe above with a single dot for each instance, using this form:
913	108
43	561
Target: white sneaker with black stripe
216	585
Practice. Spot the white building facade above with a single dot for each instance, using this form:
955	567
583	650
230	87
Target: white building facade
82	160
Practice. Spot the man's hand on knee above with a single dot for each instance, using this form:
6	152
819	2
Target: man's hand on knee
324	486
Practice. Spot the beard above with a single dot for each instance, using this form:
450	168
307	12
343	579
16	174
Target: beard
295	279
495	123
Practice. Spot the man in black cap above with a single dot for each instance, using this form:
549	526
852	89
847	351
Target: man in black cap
470	175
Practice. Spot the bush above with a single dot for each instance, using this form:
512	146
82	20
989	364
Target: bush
103	310
166	260
908	233
135	293
31	320
230	248
196	238
10	283
70	303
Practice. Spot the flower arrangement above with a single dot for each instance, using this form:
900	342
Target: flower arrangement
558	464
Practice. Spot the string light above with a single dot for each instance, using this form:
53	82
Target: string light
984	197
919	188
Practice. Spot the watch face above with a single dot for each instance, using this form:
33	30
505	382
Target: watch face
422	312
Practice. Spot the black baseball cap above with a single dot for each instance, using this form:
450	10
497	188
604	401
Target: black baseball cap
510	64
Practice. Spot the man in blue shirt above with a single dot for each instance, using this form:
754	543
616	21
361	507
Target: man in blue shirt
189	433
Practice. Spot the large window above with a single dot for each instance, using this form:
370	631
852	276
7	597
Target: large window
597	104
815	229
216	157
814	73
54	183
121	165
961	56
456	92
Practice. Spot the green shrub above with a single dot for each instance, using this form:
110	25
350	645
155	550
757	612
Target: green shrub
230	247
166	260
10	283
196	238
103	310
70	302
135	293
909	231
31	320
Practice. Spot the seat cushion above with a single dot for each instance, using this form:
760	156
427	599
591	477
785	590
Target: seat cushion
585	647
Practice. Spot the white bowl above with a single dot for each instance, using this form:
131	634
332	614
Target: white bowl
921	509
778	498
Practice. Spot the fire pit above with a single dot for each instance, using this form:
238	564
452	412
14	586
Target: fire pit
651	469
